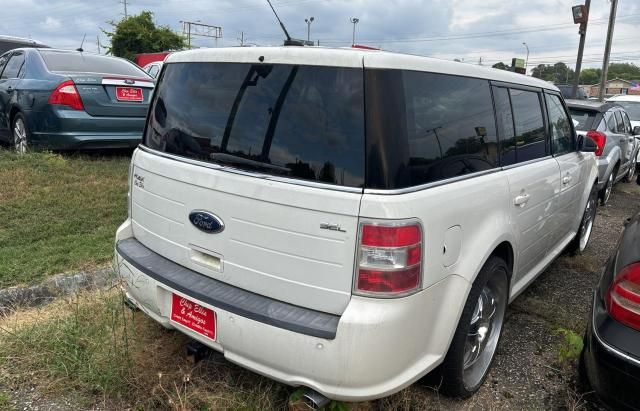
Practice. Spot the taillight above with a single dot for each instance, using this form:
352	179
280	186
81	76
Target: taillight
623	300
389	259
66	94
599	138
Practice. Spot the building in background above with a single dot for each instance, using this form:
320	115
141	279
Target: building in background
615	87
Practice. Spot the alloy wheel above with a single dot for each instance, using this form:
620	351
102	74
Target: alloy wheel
608	189
587	222
484	331
20	136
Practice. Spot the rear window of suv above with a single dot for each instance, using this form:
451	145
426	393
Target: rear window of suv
303	122
71	62
584	118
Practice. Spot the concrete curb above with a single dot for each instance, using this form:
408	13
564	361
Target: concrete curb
57	286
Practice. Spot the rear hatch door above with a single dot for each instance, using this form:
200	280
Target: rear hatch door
276	153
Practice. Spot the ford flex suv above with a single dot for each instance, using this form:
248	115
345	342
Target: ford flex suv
348	220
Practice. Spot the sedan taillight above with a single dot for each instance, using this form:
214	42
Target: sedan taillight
390	259
623	299
66	94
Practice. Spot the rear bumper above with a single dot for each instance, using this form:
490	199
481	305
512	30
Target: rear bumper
59	128
613	373
378	347
72	141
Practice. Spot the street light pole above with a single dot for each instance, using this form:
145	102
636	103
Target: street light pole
526	62
355	21
583	34
309	21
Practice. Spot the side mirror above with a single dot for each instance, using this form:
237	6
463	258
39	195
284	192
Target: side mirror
636	131
587	145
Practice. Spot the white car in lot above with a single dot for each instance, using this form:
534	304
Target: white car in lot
348	220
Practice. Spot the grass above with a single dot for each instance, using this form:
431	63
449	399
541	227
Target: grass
58	213
95	353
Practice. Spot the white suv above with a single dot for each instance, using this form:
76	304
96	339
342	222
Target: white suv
348	220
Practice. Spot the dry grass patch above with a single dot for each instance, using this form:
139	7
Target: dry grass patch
94	351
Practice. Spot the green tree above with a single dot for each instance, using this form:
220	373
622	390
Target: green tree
590	76
139	34
558	73
626	71
500	65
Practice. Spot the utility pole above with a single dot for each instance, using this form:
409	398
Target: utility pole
526	62
607	49
241	39
355	21
98	42
583	17
125	8
309	21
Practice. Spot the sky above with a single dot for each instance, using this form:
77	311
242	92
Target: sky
474	31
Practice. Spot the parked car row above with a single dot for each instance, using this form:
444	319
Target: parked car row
57	99
608	124
350	220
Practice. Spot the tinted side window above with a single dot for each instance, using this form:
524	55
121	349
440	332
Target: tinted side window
530	133
3	60
153	71
627	123
425	127
561	135
619	122
611	121
506	130
13	66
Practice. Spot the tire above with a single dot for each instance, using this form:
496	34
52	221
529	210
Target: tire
631	173
20	134
581	240
464	369
605	193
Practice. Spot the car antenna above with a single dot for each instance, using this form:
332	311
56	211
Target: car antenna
289	41
80	49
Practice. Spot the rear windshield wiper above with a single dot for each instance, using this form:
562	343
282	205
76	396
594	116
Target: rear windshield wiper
230	159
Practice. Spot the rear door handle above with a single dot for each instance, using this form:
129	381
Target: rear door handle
9	88
566	179
521	200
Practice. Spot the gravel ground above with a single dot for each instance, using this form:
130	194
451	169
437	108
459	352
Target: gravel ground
527	373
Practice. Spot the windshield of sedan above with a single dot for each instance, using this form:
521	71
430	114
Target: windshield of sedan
632	108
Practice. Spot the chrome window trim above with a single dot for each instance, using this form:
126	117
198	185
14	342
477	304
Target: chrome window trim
229	169
429	185
606	346
524	163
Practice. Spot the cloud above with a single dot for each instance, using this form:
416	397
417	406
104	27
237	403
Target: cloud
52	23
469	29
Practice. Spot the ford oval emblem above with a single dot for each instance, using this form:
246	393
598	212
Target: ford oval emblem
206	221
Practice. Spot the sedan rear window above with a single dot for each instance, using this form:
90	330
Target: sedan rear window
72	62
583	117
295	121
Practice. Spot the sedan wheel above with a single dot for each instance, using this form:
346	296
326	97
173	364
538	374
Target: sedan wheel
20	136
